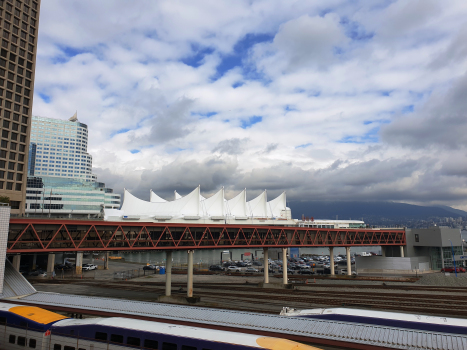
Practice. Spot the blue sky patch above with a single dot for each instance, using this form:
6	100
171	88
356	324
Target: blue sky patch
305	145
204	115
248	123
355	30
408	109
67	53
121	131
370	137
240	51
46	98
197	57
237	84
134	151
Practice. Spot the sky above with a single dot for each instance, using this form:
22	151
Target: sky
324	99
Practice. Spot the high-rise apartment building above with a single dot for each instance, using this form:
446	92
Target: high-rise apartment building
60	180
19	20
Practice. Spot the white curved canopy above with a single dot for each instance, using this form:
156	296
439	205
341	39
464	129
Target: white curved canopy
237	205
178	196
258	206
214	205
194	206
154	198
277	206
186	206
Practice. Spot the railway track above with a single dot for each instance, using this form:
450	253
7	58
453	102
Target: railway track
252	298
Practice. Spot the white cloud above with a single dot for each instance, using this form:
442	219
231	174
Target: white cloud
178	84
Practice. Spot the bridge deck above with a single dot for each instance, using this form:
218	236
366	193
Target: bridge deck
39	235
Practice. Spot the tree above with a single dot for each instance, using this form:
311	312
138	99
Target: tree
5	199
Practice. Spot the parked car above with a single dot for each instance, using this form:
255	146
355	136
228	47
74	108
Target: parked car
150	267
257	263
234	269
288	270
451	269
216	268
306	272
270	270
89	267
251	269
344	272
39	273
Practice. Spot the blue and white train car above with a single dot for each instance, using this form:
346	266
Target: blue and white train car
28	327
121	333
383	318
25	326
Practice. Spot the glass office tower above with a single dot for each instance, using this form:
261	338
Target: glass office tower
19	20
60	180
59	148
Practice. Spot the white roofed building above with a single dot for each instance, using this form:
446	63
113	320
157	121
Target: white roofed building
197	209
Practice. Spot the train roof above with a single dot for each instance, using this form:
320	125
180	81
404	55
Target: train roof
448	321
165	328
33	313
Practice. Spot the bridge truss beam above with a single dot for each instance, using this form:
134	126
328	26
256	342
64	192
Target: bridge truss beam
38	235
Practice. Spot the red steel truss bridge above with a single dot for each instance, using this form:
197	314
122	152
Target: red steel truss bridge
54	235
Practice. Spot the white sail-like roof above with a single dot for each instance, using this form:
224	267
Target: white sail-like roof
258	206
214	205
187	206
178	196
154	198
195	207
237	205
277	206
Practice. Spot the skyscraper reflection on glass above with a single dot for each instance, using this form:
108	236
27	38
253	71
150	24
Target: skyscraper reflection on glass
60	180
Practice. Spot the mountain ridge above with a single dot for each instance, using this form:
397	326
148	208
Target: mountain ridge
357	210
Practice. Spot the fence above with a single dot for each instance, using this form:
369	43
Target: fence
133	273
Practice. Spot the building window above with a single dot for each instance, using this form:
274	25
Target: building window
417	238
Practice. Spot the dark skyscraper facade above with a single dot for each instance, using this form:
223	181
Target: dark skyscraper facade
19	21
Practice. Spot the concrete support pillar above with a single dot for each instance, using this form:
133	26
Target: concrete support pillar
50	264
168	273
349	262
79	263
106	260
189	289
34	261
331	259
383	251
266	264
284	266
442	257
402	251
16	261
